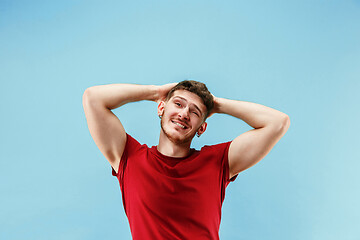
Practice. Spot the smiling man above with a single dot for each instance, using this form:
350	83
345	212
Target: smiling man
172	191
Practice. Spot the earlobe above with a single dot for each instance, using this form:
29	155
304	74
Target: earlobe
202	129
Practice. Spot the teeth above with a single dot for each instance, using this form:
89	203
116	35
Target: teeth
182	126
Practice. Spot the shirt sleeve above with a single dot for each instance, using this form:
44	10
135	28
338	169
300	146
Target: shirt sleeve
221	151
130	145
225	164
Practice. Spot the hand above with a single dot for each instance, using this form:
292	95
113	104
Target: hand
216	106
163	90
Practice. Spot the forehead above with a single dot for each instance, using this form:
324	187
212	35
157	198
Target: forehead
190	97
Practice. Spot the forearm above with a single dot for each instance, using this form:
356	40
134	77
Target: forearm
256	115
113	96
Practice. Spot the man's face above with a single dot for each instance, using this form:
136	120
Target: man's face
182	116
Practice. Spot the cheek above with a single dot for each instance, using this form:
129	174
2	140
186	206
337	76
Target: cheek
170	111
168	114
197	123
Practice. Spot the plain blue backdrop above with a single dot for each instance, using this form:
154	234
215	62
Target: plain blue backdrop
300	57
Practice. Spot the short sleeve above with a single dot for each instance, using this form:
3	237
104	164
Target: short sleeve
130	145
225	164
221	151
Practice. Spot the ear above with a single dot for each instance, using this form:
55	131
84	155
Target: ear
202	128
160	108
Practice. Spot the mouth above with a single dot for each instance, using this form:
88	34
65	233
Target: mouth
180	125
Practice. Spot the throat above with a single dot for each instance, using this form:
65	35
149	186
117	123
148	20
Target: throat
173	149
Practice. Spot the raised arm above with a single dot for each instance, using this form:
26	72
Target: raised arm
250	147
104	126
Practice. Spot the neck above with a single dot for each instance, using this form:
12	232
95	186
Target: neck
172	149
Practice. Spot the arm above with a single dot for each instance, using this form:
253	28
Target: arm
105	128
250	147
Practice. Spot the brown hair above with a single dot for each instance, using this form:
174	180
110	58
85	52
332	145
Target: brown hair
199	89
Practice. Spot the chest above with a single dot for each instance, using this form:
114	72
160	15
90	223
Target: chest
172	188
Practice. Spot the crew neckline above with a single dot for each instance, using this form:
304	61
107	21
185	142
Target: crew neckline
159	154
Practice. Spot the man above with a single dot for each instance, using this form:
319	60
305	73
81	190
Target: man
171	191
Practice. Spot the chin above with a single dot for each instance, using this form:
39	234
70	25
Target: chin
182	140
176	137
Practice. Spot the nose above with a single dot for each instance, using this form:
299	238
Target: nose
184	113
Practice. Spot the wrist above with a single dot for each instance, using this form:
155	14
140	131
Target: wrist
153	92
217	105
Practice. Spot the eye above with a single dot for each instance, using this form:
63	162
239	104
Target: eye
177	104
196	113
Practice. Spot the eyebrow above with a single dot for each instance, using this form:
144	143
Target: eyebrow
192	103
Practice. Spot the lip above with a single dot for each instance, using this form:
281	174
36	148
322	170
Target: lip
182	123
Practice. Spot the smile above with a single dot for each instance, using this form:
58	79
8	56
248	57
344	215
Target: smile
179	124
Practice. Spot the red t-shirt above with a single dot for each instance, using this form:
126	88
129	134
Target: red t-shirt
173	198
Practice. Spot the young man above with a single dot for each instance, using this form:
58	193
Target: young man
171	191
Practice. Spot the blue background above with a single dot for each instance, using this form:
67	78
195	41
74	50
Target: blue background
300	57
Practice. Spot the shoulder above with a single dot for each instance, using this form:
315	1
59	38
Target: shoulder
218	150
214	147
133	145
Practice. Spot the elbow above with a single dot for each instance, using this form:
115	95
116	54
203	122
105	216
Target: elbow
284	123
86	96
89	92
281	124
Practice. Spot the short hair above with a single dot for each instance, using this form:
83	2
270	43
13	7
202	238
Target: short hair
199	89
